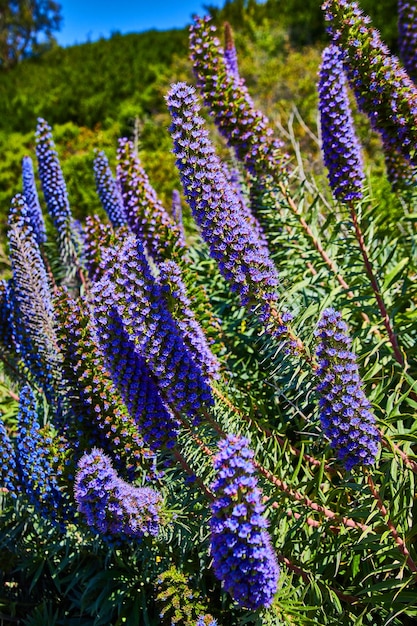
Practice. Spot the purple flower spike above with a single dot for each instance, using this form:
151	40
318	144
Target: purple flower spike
345	412
56	196
245	129
243	558
32	200
407	30
8	467
383	89
112	506
230	54
32	311
180	306
128	295
108	191
340	145
38	477
145	214
137	386
235	244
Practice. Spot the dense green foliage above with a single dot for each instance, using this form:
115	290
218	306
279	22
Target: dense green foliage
87	84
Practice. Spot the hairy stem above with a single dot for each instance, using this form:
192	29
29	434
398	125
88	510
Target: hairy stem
394	532
375	287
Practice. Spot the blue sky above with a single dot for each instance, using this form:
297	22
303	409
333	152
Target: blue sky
88	20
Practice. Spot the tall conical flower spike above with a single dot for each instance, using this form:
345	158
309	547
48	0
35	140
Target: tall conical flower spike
128	292
32	200
108	191
8	469
241	255
33	310
345	412
137	386
382	87
112	506
56	196
340	146
145	214
407	31
34	459
243	557
230	54
179	304
99	411
98	239
245	128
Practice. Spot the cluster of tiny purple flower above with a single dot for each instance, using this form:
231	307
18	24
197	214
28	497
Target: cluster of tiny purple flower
128	294
145	213
243	558
108	191
34	462
137	386
230	54
8	469
50	173
100	417
407	31
345	412
179	304
341	150
241	255
8	339
246	129
32	311
32	200
111	506
55	194
382	87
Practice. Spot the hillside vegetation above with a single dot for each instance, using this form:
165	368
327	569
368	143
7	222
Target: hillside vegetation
94	93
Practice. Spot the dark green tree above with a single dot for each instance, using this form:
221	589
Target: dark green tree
26	27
